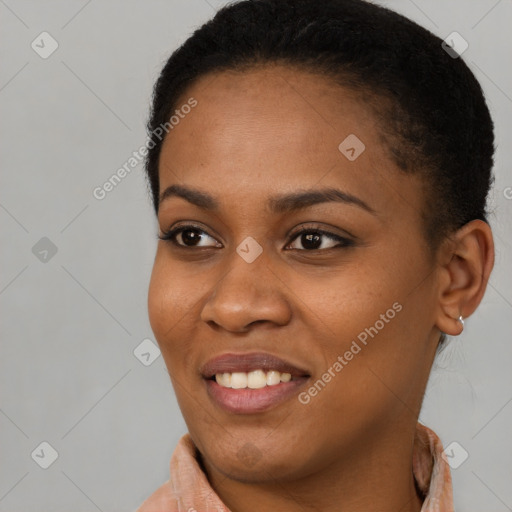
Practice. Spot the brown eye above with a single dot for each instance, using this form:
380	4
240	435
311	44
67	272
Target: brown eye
188	237
312	239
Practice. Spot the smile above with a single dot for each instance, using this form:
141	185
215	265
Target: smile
251	383
254	380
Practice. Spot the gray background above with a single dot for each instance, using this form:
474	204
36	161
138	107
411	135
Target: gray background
70	323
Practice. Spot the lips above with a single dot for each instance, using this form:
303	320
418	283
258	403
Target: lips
232	362
233	397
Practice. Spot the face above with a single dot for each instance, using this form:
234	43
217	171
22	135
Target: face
336	290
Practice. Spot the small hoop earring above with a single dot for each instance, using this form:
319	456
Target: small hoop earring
461	320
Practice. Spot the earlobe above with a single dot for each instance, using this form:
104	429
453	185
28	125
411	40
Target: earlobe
468	261
456	325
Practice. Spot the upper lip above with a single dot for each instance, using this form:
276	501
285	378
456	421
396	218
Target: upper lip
247	362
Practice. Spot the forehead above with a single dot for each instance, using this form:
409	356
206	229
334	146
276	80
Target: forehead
277	128
250	106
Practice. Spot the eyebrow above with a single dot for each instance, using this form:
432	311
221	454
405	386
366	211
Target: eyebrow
283	203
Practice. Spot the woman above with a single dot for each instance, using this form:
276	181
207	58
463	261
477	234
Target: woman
319	171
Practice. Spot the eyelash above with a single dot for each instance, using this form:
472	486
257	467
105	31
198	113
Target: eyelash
170	236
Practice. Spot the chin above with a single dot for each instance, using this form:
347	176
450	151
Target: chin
254	461
264	470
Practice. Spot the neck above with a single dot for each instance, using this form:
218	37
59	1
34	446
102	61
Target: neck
376	476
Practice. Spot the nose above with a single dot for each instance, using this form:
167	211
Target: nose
248	293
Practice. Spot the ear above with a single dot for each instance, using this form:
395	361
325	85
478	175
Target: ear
466	261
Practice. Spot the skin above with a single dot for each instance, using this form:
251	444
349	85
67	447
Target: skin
275	130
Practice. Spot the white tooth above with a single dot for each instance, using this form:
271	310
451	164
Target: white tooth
226	379
273	378
239	380
256	379
223	379
286	377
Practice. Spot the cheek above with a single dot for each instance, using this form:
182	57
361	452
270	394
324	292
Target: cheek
370	318
171	297
159	307
349	301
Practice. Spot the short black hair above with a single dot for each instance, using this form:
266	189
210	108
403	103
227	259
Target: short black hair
431	109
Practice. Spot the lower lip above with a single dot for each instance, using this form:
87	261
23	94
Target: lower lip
250	401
